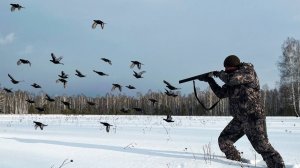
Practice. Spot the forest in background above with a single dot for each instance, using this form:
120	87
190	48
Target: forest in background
284	100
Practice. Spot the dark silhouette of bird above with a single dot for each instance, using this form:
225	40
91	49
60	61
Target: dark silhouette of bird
124	109
67	104
30	101
118	86
138	75
136	63
171	87
96	22
36	85
56	60
169	118
23	61
62	81
170	93
48	98
63	75
106	60
91	103
39	124
40	109
100	73
130	87
13	80
16	6
8	90
107	125
137	109
153	101
79	74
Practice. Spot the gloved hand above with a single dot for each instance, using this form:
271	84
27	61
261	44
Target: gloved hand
216	73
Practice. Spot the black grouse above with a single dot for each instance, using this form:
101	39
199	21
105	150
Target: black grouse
56	60
23	61
96	22
107	125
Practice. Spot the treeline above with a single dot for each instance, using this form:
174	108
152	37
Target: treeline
110	104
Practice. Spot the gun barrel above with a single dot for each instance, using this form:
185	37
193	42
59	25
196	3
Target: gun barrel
199	77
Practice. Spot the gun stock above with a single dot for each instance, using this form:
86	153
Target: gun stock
199	77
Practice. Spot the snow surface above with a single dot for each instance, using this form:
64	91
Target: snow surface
133	142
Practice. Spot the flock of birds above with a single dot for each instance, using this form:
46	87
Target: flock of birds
63	78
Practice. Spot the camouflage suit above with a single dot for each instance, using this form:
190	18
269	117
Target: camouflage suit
242	89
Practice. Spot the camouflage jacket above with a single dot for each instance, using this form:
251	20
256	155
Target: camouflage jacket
243	90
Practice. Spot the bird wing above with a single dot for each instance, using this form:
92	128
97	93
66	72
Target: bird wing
78	72
94	25
48	97
59	58
10	77
19	62
53	56
167	83
132	65
12	8
139	65
142	72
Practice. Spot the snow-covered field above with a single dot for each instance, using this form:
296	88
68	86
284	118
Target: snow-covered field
133	142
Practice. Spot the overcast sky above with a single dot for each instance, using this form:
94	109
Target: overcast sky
174	39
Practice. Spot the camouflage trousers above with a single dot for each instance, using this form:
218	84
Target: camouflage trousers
255	130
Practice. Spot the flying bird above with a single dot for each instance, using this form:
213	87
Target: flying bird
153	101
48	98
137	109
124	109
40	109
62	81
171	87
169	118
96	22
66	104
15	6
23	61
138	75
36	85
170	93
56	60
106	60
8	90
39	124
30	101
13	80
107	125
118	86
100	73
63	75
79	74
136	63
130	87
